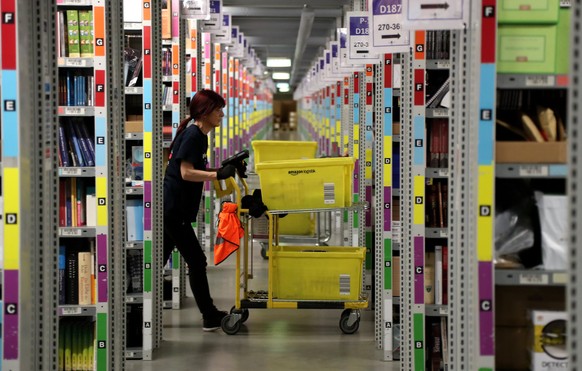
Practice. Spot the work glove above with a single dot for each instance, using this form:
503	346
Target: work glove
242	169
225	172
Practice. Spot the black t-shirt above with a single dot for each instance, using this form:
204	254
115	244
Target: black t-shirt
181	197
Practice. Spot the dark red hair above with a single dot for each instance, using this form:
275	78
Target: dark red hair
203	103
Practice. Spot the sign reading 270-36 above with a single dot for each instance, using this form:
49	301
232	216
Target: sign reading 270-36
389	34
359	36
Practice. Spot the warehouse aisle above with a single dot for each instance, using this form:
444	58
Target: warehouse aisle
270	339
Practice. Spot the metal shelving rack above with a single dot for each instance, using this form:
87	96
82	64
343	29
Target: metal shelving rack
383	307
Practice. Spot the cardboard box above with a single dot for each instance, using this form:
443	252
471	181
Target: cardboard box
396	128
395	276
133	126
549	350
395	209
527	11
513	303
531	152
511	350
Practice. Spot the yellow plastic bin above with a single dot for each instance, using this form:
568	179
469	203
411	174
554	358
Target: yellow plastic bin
317	273
306	184
277	150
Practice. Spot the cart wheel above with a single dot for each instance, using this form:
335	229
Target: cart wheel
345	325
264	251
228	327
244	313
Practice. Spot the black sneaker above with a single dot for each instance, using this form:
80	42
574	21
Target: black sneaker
212	321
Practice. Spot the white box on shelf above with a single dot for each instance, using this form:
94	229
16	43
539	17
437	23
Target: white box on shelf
132	11
553	211
549	346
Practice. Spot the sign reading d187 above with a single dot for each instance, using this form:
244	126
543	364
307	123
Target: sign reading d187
387	26
359	39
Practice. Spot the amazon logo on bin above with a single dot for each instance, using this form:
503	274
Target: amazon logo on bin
297	172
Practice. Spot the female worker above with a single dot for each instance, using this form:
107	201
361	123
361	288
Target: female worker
185	176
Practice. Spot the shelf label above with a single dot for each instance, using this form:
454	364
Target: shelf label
444	311
71	311
440	112
565	3
359	38
75	2
71	232
75	111
443	172
73	62
533	170
129	299
537	81
533	279
443	232
388	31
130	245
129	190
443	64
559	278
71	171
436	14
132	90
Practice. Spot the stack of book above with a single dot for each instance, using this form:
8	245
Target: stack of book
76	276
77	203
76	345
76	146
75	33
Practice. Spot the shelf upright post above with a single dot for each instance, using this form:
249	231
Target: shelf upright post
573	291
231	105
207	78
327	120
217	87
414	161
28	173
116	195
366	180
238	67
352	128
407	273
225	92
384	323
152	199
357	240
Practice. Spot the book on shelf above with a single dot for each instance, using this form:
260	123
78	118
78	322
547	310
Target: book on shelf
437	196
76	146
77	283
73	34
86	33
76	344
134	210
429	278
167	19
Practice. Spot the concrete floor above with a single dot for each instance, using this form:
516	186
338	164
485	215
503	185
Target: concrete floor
272	339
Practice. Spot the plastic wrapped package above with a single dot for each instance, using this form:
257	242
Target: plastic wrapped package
513	232
554	223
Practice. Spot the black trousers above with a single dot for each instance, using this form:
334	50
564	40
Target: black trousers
180	234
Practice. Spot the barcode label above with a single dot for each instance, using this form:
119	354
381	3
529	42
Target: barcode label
329	193
533	170
533	279
71	311
70	171
74	111
565	3
540	81
71	231
344	284
440	112
443	64
132	90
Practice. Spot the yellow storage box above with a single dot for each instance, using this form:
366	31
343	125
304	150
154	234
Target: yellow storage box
306	184
317	273
277	150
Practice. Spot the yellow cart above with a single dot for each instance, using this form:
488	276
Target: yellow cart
299	277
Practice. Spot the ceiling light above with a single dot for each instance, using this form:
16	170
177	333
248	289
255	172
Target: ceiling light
280	76
283	85
278	62
284	90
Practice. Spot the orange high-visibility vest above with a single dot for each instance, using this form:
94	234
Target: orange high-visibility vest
228	234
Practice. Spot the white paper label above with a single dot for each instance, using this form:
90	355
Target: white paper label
443	232
387	29
560	278
565	3
71	311
132	90
540	81
74	111
443	64
533	279
533	170
71	171
444	311
443	172
359	39
71	232
440	112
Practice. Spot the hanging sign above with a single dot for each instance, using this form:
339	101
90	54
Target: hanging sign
344	62
359	39
215	21
388	32
195	9
435	14
224	35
